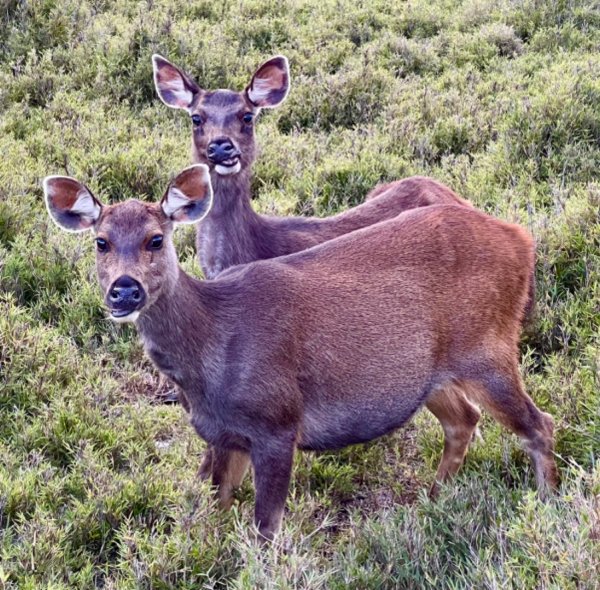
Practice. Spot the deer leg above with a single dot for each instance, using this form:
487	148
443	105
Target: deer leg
228	470
206	467
272	464
502	393
458	417
183	400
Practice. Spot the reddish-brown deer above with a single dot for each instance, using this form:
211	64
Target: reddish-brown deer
233	233
324	348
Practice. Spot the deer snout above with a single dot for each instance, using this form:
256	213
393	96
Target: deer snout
222	151
125	298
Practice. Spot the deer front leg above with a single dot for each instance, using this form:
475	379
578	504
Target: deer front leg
272	464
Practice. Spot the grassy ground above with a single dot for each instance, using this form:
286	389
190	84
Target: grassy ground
98	487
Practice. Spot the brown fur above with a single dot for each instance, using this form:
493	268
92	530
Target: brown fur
340	343
233	233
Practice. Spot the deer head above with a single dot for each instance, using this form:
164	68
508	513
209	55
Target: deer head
135	256
223	120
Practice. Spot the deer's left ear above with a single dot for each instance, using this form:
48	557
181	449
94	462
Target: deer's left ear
70	203
173	86
189	196
270	84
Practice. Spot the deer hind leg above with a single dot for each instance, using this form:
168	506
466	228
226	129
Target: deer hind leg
206	466
502	393
458	417
228	470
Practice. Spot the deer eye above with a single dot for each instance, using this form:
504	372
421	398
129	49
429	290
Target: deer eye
248	118
101	244
196	120
156	243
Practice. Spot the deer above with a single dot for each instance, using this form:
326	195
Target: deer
223	138
335	345
232	232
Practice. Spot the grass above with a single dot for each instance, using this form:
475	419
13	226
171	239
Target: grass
98	486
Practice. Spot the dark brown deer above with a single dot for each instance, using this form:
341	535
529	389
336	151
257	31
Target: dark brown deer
223	138
324	348
233	233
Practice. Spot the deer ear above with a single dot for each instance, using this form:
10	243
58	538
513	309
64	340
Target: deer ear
71	204
189	196
174	87
270	84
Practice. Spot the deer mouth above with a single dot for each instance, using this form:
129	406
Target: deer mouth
228	167
121	316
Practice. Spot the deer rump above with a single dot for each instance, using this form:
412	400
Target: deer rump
345	341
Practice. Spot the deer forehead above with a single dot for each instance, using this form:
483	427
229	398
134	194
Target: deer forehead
223	99
222	107
131	221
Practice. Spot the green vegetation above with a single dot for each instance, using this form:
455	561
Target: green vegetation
98	486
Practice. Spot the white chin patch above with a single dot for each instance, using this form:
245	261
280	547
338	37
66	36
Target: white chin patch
130	317
228	170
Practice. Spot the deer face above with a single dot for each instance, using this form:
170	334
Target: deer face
135	257
223	120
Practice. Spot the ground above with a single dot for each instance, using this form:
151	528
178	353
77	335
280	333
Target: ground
98	486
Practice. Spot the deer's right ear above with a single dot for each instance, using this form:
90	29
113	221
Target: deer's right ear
189	196
270	84
174	87
71	204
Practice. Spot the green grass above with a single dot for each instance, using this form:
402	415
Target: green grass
98	486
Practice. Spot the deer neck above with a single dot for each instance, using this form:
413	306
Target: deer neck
231	195
231	233
178	329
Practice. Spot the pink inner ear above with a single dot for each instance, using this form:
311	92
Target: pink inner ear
169	77
268	87
189	197
70	203
193	182
172	87
64	193
269	78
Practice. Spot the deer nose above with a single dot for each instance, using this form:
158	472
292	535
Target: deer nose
125	295
220	150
